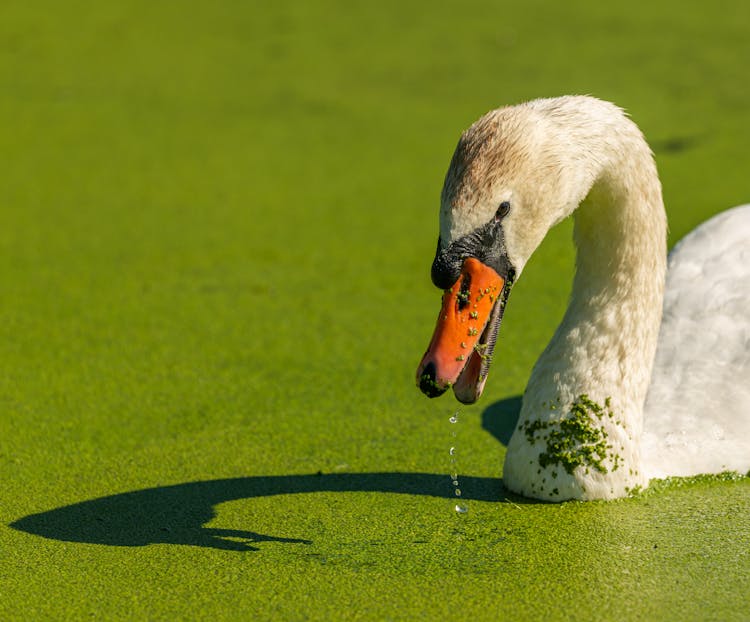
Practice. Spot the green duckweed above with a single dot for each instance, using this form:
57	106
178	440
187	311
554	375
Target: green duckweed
574	440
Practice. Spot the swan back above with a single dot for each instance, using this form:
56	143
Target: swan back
697	413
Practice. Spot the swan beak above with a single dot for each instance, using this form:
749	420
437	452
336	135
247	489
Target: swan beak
458	355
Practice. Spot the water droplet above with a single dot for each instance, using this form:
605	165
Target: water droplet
461	509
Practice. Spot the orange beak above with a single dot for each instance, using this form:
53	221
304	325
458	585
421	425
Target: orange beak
458	348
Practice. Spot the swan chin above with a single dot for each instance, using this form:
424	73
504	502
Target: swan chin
461	348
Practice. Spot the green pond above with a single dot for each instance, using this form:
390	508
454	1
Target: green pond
216	226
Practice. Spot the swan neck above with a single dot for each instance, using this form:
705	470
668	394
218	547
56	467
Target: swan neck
599	361
606	342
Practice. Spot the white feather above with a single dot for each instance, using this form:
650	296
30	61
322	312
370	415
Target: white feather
697	413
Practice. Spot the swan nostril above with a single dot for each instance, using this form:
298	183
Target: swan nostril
462	300
427	381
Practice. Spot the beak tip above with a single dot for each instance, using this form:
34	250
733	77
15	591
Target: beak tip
427	380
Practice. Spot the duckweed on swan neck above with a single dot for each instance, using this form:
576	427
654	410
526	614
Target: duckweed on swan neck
576	439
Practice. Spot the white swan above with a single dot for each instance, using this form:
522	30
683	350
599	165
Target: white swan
583	431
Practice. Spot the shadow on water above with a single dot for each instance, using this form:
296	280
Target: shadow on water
501	418
177	514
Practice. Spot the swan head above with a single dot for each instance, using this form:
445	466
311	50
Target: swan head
513	176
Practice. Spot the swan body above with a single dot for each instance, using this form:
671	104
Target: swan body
697	412
583	432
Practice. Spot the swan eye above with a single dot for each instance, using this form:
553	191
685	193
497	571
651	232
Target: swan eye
503	210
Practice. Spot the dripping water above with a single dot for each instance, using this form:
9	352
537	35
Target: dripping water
460	507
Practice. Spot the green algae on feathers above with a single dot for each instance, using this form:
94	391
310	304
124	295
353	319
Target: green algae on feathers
574	440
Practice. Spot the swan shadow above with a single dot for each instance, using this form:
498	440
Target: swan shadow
501	418
177	514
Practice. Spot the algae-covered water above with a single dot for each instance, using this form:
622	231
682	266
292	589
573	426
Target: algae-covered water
216	226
